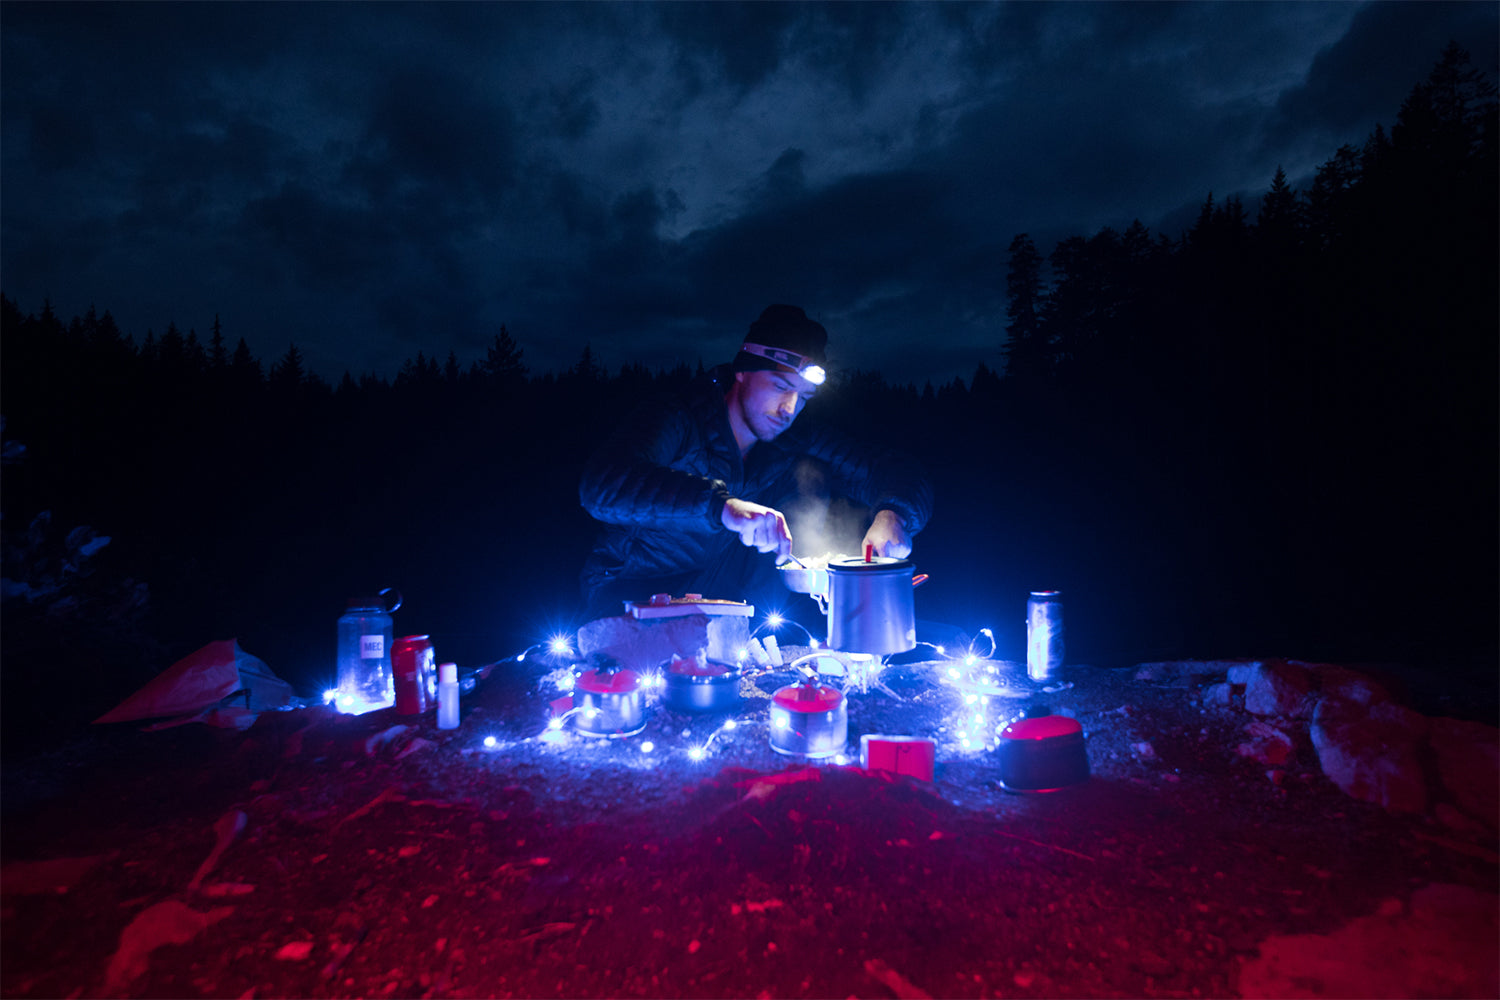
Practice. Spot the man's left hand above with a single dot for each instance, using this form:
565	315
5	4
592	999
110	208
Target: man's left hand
888	536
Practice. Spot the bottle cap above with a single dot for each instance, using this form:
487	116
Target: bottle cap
447	673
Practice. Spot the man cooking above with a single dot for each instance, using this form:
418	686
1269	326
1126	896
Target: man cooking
691	490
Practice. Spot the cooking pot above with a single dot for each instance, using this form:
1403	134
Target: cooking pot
870	606
1042	754
810	577
701	685
809	719
609	702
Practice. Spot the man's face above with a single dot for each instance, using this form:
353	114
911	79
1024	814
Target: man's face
770	400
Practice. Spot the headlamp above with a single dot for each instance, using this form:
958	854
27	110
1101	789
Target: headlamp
810	371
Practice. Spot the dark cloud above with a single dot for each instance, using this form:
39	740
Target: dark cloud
370	180
1363	78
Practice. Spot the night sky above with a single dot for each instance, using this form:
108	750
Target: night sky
373	180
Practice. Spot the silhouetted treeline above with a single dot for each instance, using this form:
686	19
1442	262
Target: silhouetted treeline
1265	436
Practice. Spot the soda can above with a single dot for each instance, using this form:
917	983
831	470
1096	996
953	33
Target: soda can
1044	635
412	660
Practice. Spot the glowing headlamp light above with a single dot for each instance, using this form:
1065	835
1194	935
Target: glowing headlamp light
813	373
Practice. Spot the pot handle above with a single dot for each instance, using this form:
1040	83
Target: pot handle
918	580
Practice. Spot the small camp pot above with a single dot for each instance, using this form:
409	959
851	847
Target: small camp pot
809	719
1042	754
701	686
609	702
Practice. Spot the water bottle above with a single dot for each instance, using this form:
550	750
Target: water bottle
366	681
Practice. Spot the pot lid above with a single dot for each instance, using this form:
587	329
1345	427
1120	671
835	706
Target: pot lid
619	682
1042	727
858	564
809	698
690	666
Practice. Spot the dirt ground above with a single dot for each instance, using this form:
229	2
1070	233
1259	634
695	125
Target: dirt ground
317	855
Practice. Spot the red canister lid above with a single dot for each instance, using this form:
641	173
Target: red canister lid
619	682
689	666
809	698
1042	727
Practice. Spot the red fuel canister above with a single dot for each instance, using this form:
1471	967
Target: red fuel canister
412	659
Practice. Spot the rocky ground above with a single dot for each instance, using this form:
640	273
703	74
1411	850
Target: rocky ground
1248	829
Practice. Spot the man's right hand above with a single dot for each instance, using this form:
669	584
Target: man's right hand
763	527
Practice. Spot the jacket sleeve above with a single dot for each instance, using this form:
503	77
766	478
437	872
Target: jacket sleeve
642	475
879	478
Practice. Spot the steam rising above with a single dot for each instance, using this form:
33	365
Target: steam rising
821	527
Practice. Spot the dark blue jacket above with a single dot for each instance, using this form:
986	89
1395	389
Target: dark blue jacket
660	481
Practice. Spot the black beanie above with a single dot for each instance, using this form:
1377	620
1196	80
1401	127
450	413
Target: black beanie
788	328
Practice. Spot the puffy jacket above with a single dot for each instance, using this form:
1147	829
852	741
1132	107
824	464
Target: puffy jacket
659	483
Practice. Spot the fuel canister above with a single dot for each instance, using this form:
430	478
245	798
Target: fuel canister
413	660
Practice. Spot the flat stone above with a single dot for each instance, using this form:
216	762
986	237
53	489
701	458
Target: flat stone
1166	671
645	644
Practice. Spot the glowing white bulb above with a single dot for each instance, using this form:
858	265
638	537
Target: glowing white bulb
840	759
941	650
741	653
729	724
814	643
969	660
490	741
565	682
697	753
330	695
781	722
591	713
647	747
970	699
559	645
953	672
774	620
555	723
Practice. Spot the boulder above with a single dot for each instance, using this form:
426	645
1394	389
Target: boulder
1466	756
1440	943
1218	695
644	644
1240	673
1372	752
1348	685
1279	688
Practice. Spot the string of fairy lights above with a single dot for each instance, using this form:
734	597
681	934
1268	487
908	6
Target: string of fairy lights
987	694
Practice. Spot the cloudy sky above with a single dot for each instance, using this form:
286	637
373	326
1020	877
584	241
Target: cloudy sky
373	180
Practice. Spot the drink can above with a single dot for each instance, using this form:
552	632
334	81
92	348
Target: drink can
412	660
1044	635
